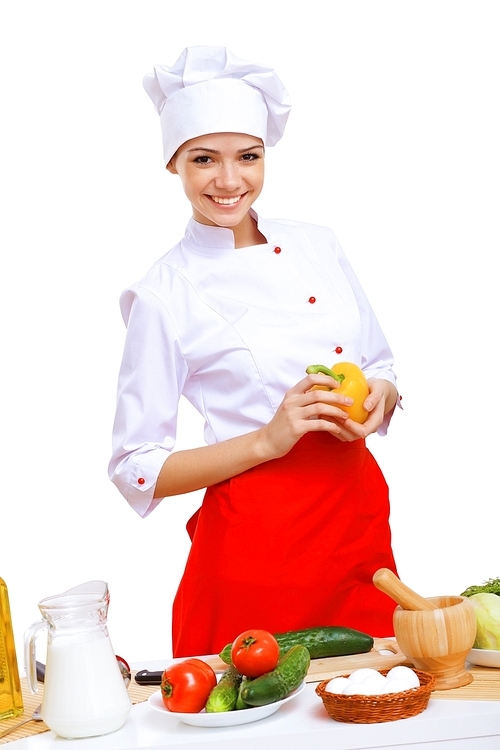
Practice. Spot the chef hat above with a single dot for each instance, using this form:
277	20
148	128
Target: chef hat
209	90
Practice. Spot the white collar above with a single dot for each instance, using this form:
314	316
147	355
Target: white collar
205	235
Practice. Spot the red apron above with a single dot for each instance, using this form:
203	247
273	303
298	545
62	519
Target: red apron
290	544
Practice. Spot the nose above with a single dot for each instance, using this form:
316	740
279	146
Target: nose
228	177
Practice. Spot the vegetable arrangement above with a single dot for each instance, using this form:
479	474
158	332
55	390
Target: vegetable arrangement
486	602
331	640
191	685
352	382
262	669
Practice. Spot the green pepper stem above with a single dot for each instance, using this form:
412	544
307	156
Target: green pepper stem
314	369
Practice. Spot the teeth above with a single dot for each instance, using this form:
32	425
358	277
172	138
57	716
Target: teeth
226	201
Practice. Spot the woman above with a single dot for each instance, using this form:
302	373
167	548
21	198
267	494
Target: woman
295	518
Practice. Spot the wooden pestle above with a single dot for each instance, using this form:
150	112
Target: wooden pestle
385	580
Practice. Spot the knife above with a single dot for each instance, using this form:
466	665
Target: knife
40	671
145	677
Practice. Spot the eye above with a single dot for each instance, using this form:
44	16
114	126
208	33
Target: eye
250	157
202	159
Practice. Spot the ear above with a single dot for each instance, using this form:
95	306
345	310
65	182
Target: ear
171	166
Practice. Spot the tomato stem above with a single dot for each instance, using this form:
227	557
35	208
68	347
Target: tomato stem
166	689
249	641
314	369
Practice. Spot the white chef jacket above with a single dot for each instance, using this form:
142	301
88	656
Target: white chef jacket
232	329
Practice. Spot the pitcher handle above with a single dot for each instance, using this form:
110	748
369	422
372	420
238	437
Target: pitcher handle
30	653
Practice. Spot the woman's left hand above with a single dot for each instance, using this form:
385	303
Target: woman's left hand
380	401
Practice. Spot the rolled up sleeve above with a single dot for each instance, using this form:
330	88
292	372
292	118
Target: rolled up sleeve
149	386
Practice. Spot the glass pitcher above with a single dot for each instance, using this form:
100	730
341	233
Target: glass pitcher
84	693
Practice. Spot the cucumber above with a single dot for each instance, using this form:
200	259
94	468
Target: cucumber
327	641
276	685
240	703
330	640
224	695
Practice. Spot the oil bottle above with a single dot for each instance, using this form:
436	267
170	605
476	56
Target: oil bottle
11	697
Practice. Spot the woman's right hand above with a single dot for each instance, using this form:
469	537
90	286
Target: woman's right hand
304	410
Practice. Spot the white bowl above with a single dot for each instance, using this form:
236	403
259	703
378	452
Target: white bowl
227	718
484	657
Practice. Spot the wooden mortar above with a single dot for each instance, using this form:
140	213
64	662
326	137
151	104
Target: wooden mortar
436	634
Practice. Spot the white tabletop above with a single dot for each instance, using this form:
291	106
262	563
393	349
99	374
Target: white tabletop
301	724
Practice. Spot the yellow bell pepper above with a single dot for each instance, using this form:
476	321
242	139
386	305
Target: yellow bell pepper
352	383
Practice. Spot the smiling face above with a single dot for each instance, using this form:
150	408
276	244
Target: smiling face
222	175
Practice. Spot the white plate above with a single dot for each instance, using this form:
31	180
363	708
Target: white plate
226	719
484	657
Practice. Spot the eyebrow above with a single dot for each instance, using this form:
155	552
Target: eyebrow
214	151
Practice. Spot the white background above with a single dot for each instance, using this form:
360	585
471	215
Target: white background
393	141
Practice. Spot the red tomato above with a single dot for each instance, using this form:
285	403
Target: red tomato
255	652
186	685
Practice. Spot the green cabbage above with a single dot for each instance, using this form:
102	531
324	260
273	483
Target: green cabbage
487	608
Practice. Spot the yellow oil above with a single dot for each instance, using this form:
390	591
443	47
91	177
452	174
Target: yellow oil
11	697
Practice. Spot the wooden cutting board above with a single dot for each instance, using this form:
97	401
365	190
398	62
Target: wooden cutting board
484	687
385	654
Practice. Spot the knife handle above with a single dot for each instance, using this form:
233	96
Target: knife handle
144	677
40	671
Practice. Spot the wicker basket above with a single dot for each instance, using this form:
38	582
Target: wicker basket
372	709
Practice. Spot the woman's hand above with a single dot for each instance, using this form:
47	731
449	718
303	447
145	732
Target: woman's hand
381	400
303	410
